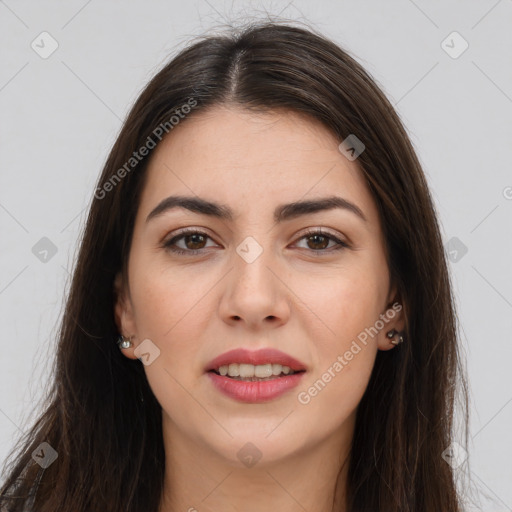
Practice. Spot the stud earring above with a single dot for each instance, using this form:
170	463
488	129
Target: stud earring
392	333
124	342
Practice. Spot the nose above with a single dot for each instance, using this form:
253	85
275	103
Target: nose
254	294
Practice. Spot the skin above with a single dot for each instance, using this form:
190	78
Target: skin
293	297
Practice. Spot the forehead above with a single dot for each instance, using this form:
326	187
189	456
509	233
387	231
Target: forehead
253	161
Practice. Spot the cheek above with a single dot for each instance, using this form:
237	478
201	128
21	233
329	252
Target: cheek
345	353
167	303
331	397
171	309
345	306
342	302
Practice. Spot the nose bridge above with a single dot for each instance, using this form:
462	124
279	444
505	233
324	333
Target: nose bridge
254	293
251	272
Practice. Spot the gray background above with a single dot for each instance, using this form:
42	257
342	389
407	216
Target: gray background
61	114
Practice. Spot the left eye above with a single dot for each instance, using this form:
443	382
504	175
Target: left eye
318	241
321	240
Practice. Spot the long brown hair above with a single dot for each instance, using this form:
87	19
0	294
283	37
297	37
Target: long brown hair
101	416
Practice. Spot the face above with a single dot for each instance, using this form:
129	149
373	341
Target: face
312	283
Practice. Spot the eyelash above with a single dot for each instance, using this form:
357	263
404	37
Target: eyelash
191	252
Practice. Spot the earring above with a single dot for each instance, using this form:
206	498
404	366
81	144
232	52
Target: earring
392	333
124	342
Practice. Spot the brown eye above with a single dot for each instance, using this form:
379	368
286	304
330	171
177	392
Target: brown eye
191	242
317	242
197	241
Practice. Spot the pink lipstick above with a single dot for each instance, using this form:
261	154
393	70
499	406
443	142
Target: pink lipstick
255	376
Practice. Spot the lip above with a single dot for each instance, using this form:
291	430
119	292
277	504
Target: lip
255	357
257	391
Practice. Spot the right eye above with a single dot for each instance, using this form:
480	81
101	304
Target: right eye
192	237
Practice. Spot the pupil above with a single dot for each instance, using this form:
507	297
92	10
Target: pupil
196	236
316	237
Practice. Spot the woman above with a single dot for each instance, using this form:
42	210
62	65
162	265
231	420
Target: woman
263	247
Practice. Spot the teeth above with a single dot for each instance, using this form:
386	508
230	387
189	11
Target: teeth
260	371
234	370
263	370
246	370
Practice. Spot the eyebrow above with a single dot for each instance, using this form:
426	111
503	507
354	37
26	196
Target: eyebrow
282	212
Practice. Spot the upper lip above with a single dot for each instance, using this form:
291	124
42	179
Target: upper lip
255	357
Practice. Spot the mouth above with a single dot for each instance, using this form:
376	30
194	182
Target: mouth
259	376
255	384
262	363
254	373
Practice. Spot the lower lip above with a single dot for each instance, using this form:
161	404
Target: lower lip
254	392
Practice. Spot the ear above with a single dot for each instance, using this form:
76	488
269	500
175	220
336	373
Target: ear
394	319
123	314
